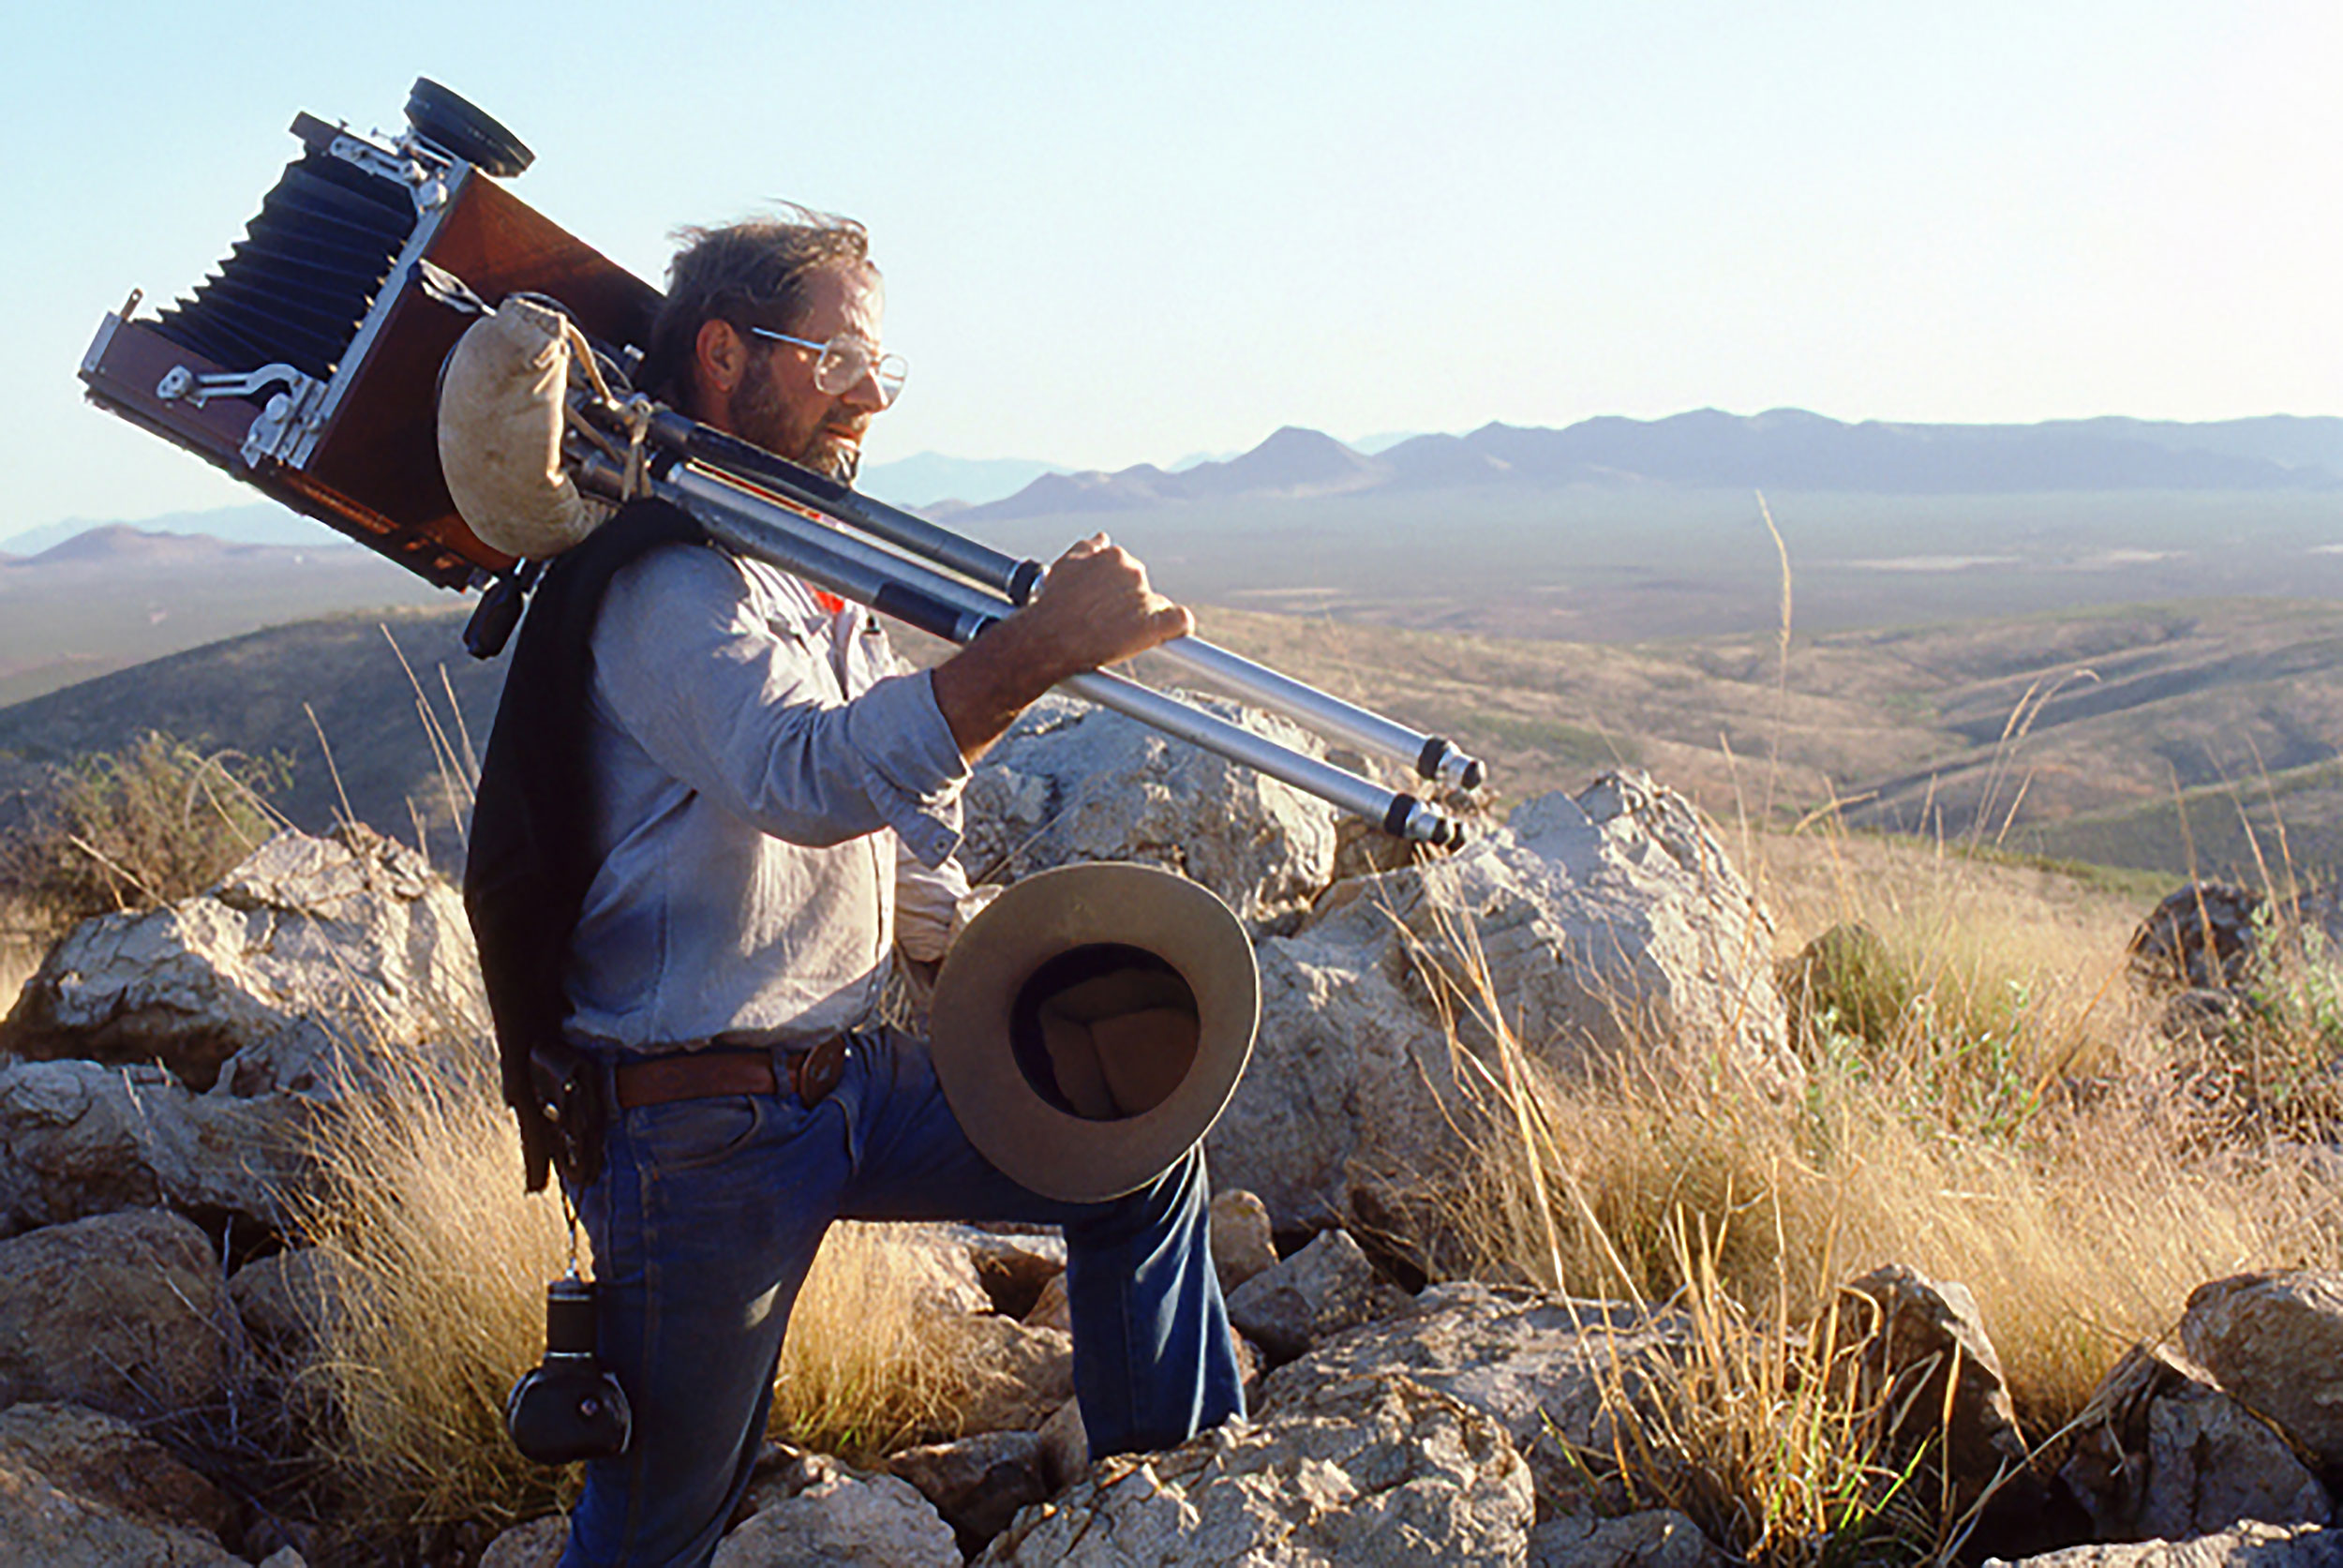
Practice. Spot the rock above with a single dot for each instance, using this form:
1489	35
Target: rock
78	1138
1052	1309
42	1522
284	1299
1065	1447
1020	1375
2201	937
935	1261
308	947
977	1483
1013	1266
1918	1336
1072	782
287	1557
783	1470
259	1000
538	1544
1242	1242
1658	1538
123	1312
2274	1342
1369	1471
106	1463
1537	1365
1849	976
2248	1545
2159	1451
880	1522
1328	1287
1610	927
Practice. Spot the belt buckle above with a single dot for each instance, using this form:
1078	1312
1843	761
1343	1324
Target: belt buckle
815	1072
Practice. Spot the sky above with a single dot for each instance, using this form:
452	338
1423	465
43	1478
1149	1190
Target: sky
1116	233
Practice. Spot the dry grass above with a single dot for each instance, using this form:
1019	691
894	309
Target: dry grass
1985	1102
439	1263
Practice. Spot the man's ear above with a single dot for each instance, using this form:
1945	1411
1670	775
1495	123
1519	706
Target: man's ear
719	360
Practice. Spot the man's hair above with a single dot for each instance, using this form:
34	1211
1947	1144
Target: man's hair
750	273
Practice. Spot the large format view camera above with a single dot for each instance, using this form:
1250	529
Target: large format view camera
310	366
305	365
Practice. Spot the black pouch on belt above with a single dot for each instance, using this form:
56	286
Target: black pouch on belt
570	1092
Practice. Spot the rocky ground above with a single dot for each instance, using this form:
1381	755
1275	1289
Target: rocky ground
167	1075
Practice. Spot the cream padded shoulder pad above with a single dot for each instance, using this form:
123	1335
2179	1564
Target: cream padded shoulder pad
500	407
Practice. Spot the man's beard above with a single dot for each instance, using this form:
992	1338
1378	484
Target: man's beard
758	414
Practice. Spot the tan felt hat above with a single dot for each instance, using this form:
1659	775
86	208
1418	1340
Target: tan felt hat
1090	1025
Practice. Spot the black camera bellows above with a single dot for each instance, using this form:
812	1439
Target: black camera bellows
295	289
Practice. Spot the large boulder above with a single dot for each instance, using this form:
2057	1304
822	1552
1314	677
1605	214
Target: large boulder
1552	1372
182	1057
123	1312
1363	1472
2274	1341
1071	783
309	947
2160	1452
80	1139
1602	928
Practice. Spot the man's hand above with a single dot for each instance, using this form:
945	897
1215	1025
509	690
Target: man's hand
1095	608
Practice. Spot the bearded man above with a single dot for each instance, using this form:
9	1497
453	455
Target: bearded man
770	805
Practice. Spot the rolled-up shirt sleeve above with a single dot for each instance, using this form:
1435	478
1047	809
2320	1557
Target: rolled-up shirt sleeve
749	711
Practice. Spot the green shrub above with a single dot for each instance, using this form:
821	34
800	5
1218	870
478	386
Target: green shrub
159	821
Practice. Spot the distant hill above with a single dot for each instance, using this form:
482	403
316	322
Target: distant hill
927	478
259	523
113	596
2230	708
1787	449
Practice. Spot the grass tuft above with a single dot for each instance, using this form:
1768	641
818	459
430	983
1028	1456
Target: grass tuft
439	1262
159	821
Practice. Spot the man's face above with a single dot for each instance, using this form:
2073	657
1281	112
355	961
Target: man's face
776	404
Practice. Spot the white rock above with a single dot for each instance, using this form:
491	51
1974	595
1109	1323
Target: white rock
78	1138
1363	1473
878	1522
1604	928
310	948
1537	1365
1071	783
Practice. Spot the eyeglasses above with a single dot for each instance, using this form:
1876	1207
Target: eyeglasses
844	361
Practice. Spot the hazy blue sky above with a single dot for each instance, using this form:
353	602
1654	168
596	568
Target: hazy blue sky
1116	233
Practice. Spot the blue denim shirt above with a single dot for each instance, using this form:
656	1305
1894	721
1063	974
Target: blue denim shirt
754	760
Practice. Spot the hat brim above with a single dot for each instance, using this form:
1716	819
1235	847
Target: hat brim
1037	1143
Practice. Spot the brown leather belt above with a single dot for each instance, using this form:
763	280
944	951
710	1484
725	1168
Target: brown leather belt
814	1071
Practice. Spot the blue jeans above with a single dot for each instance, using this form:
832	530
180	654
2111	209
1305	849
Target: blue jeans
706	1218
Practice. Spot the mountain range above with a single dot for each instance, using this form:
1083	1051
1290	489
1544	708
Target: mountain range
1787	449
